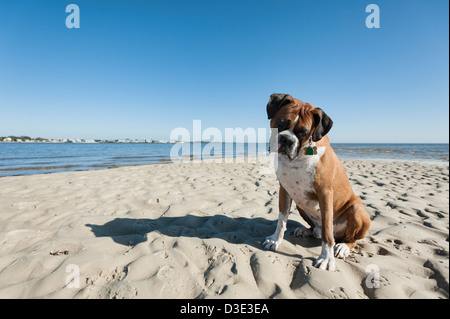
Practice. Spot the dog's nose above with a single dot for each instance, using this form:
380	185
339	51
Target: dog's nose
284	144
285	140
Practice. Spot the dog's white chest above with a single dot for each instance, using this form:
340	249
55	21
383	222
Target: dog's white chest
297	178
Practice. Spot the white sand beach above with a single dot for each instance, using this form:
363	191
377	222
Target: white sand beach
191	230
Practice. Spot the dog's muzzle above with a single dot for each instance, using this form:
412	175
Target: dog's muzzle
288	144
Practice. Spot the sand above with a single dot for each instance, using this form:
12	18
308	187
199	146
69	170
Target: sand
191	230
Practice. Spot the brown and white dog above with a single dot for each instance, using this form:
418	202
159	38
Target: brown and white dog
314	179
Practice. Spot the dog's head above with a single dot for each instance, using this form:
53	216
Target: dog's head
296	122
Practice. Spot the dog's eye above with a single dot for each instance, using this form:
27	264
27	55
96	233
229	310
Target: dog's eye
302	132
283	124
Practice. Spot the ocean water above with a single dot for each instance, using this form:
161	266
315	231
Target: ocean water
41	158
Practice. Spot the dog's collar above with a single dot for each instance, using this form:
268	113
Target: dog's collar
311	148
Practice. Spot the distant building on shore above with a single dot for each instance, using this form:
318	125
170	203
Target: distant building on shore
27	139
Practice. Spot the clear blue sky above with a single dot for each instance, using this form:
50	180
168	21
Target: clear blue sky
138	69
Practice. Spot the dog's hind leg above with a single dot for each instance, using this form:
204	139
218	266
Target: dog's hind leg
313	230
358	223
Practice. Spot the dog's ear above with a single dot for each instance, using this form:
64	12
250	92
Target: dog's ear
322	124
276	102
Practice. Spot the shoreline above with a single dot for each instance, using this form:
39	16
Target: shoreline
218	160
17	160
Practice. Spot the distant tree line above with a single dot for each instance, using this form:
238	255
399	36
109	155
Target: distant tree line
25	138
15	138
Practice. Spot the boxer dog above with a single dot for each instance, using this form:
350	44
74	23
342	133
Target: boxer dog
311	175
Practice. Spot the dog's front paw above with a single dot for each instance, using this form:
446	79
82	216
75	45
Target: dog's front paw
326	259
325	263
272	243
341	250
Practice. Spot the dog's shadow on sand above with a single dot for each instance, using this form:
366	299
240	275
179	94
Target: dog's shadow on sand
240	230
